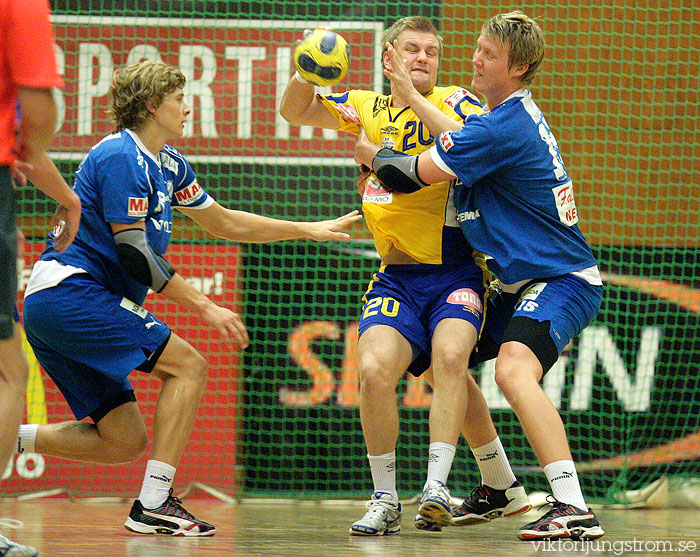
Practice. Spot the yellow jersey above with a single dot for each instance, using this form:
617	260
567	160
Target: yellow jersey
422	225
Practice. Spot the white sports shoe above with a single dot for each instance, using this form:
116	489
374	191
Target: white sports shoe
8	548
383	517
435	506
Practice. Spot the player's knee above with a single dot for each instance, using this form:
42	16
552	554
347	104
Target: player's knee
375	377
451	359
506	377
135	446
193	367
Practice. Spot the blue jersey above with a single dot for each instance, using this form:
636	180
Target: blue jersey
515	201
120	181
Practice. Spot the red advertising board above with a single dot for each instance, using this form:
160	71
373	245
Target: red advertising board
210	454
236	73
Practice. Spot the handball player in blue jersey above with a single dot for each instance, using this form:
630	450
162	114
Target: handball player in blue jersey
515	203
83	314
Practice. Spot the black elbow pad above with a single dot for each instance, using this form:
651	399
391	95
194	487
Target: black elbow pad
140	261
397	170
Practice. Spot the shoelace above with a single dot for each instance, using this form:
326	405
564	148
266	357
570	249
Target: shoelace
377	505
11	523
557	506
479	492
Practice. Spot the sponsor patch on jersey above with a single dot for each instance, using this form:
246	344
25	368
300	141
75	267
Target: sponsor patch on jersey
348	113
138	207
133	308
566	205
455	98
445	139
533	291
168	162
389	129
466	297
375	192
190	194
387	142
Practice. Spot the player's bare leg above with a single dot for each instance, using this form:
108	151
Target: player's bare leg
384	355
518	372
119	437
13	386
505	496
184	374
452	342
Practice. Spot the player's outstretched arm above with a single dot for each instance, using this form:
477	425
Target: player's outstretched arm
241	226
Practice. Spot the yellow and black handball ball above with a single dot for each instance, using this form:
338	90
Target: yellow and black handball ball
322	57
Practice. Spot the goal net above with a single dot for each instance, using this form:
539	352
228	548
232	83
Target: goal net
619	87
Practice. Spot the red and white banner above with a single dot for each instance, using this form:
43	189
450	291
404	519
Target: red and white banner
236	73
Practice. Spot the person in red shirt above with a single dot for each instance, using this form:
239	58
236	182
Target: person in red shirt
28	72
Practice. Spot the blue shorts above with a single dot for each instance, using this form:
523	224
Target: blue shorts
89	340
566	303
413	299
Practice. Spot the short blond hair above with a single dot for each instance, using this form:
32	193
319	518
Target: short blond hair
524	38
413	23
138	86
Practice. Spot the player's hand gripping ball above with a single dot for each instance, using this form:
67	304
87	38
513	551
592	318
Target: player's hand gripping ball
322	57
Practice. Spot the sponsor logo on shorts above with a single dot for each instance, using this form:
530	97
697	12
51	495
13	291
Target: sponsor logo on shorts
133	308
466	297
532	292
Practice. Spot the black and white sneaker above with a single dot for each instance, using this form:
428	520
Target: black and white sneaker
170	519
563	521
485	503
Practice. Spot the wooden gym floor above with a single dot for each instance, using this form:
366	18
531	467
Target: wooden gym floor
60	527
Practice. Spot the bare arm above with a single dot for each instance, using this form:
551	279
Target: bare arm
402	86
241	226
45	176
34	138
300	106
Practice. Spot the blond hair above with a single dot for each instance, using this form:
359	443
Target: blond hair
413	23
524	38
138	87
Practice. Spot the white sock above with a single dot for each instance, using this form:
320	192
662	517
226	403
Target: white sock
157	482
494	465
440	457
563	480
383	469
26	436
